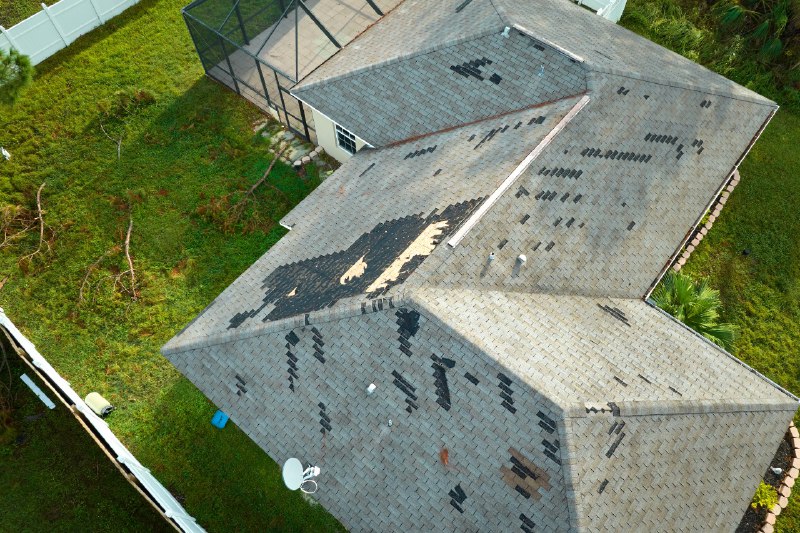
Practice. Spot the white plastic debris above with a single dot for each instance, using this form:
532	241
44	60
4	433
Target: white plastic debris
5	153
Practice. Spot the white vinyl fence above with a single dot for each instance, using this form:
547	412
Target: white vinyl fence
56	27
156	491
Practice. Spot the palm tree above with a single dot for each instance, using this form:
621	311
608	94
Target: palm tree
696	305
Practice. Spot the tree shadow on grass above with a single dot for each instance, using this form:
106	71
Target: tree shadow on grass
87	41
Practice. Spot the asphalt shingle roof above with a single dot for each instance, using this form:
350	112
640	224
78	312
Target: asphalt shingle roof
542	393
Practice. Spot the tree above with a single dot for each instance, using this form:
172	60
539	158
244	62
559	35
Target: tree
696	305
769	24
16	73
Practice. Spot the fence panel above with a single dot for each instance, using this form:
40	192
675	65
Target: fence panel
56	27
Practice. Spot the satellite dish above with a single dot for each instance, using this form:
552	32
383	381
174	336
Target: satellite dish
294	477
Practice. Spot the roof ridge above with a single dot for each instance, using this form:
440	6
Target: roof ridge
676	84
676	407
385	62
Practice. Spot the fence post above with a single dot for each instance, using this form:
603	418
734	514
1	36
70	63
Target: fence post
97	12
55	24
4	32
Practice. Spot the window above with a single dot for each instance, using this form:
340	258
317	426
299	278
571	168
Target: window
345	140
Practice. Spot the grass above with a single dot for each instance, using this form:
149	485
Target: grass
59	478
193	143
760	291
13	11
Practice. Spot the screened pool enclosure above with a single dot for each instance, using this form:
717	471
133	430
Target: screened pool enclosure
262	48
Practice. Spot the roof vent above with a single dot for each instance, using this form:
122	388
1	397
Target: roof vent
505	32
522	258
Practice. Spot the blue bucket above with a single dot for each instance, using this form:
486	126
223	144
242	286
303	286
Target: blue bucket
219	419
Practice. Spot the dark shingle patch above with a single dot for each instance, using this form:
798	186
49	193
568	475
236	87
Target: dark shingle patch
614	446
367	169
506	392
522	192
673	389
324	420
417	153
577	198
549	246
546	423
457	497
471	378
502	243
645	379
471	68
462	5
407	388
631	225
440	367
616	313
603	486
524	219
408	325
494	78
551	450
527	524
570	222
620	381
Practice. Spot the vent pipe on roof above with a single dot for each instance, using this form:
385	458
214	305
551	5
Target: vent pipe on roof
505	32
491	257
371	388
522	258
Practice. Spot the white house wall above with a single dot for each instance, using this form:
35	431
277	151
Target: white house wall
326	137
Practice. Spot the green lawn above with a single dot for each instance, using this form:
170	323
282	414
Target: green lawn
195	143
59	478
13	11
760	291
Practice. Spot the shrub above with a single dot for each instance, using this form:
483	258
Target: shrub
765	497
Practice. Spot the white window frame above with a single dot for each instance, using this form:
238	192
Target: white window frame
338	130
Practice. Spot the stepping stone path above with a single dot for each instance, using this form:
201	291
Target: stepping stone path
298	151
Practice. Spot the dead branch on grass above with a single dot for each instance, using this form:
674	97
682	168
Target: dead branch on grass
238	208
118	142
128	256
90	270
40	218
15	222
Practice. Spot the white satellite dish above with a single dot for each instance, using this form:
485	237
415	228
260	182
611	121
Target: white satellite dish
294	477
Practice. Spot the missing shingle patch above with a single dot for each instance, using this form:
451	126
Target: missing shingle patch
494	78
522	191
620	381
324	420
473	69
616	313
506	393
462	5
440	366
551	449
502	243
603	486
472	379
631	225
408	389
546	423
457	498
367	169
614	446
524	476
524	219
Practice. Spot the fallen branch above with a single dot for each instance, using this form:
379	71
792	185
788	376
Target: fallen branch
255	186
117	141
128	256
40	218
91	269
